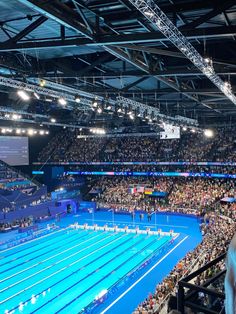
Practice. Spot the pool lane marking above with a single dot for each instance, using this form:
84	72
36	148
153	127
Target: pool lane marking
39	238
138	223
60	270
91	273
50	266
40	262
141	278
119	266
46	245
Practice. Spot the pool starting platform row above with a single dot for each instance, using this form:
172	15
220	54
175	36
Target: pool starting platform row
126	229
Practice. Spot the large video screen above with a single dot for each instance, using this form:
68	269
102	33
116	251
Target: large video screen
171	132
14	150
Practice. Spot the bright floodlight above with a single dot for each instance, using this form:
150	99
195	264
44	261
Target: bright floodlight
53	120
16	116
208	133
77	99
184	128
23	95
31	132
62	101
36	95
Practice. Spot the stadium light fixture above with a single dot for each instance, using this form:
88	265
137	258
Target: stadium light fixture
208	133
23	95
42	83
95	103
30	132
53	120
16	116
157	17
62	101
77	99
36	95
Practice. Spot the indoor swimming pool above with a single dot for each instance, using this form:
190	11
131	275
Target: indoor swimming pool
71	270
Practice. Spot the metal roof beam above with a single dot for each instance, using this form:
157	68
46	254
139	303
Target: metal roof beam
106	40
135	83
70	74
26	31
219	8
164	91
59	13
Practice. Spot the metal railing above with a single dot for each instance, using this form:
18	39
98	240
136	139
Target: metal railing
188	293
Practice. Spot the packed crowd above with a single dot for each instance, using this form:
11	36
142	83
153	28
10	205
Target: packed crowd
85	150
122	193
18	223
57	147
198	193
225	145
139	149
66	147
189	193
218	234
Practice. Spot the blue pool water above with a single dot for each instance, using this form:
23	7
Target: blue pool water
65	271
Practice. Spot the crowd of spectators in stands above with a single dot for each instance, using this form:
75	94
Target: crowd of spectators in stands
139	149
190	193
18	223
57	147
218	234
116	192
198	192
85	150
65	146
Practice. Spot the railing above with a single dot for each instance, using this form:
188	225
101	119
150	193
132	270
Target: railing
189	298
191	267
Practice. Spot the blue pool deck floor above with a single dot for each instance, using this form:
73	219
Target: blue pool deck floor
135	290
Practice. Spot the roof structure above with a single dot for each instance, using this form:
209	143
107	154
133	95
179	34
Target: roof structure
109	48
